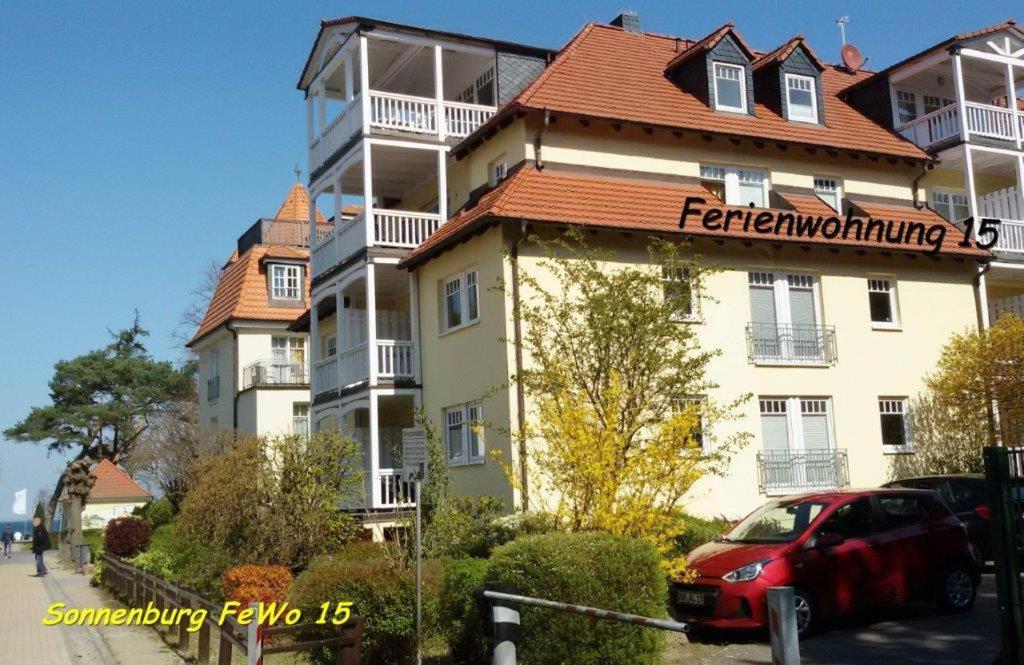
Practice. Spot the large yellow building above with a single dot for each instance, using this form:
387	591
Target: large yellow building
832	334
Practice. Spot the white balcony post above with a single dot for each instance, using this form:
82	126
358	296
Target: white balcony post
375	497
312	226
314	338
972	203
442	185
961	95
321	106
368	192
339	342
337	201
414	322
442	124
310	129
364	83
371	323
349	83
1011	104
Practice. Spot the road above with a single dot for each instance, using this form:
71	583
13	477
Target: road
908	635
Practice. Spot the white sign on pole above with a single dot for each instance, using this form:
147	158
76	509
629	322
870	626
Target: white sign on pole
414	451
20	502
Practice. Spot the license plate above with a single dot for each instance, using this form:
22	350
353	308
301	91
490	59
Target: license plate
690	597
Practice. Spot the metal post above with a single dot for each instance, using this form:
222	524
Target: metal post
254	641
782	626
419	578
504	624
1004	553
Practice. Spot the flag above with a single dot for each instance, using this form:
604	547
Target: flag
20	500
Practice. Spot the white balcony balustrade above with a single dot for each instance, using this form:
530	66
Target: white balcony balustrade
395	490
985	120
461	119
1006	205
395	359
991	121
392	228
355	366
935	127
403	113
325	375
347	124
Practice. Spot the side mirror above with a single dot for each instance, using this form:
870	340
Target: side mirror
828	539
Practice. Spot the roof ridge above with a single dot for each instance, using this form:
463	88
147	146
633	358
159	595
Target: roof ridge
563	53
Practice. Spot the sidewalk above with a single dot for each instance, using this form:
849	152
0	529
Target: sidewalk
24	600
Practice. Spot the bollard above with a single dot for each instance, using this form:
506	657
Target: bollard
254	641
782	626
504	623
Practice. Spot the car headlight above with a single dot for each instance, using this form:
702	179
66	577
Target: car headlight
746	573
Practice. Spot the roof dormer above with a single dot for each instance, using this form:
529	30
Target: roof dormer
718	70
788	80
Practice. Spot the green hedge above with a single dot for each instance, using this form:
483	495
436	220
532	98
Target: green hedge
459	617
595	569
383	595
697	531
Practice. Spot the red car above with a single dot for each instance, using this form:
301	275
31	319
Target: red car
843	551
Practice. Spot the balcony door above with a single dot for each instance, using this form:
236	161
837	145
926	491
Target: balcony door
784	314
288	359
799	448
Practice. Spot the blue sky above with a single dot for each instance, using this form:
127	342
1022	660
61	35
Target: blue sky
137	140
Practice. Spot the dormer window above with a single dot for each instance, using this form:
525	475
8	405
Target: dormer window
802	98
730	88
285	282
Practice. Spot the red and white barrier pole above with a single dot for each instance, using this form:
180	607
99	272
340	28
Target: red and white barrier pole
782	626
254	641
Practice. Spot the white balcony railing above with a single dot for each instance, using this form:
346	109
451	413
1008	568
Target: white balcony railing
1006	205
1011	236
404	113
395	490
787	472
395	359
325	375
991	121
351	237
933	128
403	228
355	366
324	255
461	119
348	123
1010	304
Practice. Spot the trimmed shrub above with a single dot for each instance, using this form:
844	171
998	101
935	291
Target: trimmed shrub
473	526
459	617
698	531
157	512
384	596
126	536
155	560
251	583
592	568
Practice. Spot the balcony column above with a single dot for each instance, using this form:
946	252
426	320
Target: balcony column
310	120
961	96
442	185
364	83
371	323
1011	103
338	205
349	83
339	342
972	206
414	323
369	222
321	106
312	226
314	343
442	124
375	497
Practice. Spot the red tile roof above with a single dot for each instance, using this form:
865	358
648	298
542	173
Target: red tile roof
296	205
596	200
605	72
113	483
708	43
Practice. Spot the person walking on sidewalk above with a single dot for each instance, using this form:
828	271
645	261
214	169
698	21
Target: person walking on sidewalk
40	543
7	537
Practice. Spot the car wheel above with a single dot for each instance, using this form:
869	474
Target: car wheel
806	613
957	590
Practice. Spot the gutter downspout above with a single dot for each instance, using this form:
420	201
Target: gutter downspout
234	376
538	162
518	341
916	186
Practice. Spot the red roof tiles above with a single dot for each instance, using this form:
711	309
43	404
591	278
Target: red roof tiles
614	202
114	483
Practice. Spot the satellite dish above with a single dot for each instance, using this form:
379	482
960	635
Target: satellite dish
852	57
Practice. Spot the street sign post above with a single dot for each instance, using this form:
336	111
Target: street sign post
414	463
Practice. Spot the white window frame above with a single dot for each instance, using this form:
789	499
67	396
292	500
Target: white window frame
298	416
742	108
330	346
794	424
896	406
878	284
822	189
291	281
800	79
469	418
668	279
497	170
780	282
907	96
938	193
943	103
467	281
730	175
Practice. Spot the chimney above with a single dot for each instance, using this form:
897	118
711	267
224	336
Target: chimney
628	21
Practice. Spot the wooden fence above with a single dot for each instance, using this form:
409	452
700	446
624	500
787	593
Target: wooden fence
138	588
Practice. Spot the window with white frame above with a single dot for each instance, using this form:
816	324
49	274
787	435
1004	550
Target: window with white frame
951	205
330	346
801	98
497	170
300	418
882	302
906	106
288	350
286	282
462	433
785	319
829	191
730	87
796	424
677	285
213	364
461	301
933	103
895	422
736	185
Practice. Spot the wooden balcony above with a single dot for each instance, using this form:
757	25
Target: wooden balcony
984	120
404	229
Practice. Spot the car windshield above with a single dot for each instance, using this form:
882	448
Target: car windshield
776	522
